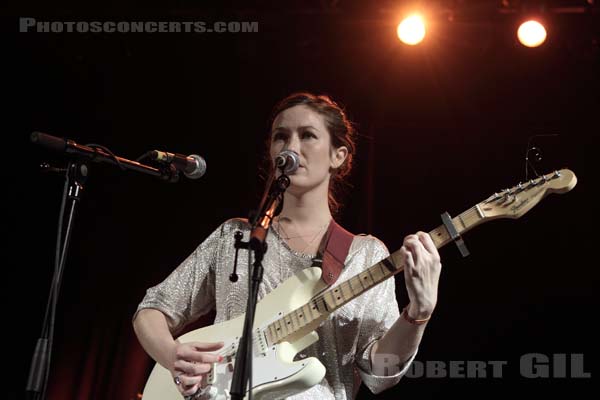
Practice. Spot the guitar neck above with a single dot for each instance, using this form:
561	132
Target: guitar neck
322	305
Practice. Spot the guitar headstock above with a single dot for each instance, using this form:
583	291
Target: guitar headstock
516	201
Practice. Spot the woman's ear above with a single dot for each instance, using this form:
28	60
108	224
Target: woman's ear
339	156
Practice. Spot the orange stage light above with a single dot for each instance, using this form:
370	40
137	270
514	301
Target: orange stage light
411	30
531	33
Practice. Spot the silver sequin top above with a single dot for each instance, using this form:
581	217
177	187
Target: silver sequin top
201	283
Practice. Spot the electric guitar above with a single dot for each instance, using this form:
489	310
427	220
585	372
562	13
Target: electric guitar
286	319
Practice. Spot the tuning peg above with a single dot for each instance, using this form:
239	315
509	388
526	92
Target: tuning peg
531	183
492	198
505	194
519	188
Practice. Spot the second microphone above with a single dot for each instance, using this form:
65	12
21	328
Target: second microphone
192	166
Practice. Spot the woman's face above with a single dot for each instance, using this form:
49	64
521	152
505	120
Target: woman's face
303	131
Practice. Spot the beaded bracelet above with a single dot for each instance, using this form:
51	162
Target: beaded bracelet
413	320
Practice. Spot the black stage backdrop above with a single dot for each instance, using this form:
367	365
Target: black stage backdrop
442	126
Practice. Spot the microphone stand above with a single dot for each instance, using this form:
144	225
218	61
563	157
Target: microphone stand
75	176
260	225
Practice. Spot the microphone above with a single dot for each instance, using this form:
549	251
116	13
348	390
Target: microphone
287	161
192	166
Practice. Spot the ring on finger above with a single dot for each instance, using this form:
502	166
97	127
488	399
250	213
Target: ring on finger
177	380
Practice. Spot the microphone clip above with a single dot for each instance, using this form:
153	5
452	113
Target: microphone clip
170	173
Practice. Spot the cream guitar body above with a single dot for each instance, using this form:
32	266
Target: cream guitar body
275	374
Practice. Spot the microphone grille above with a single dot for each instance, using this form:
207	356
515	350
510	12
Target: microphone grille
200	168
288	160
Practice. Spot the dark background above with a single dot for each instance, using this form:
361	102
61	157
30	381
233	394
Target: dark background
442	126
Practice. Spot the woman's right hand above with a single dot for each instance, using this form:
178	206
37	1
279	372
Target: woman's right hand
192	361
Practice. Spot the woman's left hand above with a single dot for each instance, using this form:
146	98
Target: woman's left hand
422	268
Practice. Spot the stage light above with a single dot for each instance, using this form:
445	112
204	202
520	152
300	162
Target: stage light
531	33
411	30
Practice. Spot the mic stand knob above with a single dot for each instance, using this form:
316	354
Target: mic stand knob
233	277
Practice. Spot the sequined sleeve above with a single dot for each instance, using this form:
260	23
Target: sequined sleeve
380	313
189	291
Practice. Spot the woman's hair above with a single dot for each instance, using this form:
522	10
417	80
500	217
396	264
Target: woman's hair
341	131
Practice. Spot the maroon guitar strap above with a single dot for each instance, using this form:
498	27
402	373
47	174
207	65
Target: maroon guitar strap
333	251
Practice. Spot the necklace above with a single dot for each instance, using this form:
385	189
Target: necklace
313	236
298	256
